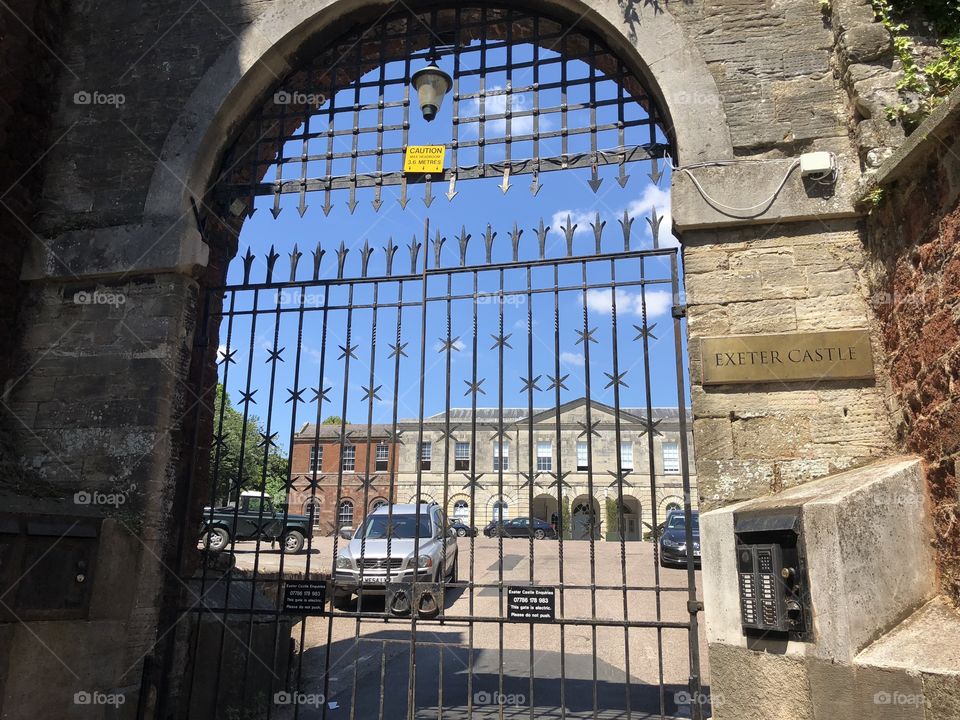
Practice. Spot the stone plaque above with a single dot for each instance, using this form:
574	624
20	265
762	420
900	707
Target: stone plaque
790	357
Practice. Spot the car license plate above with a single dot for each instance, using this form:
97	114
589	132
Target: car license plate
376	578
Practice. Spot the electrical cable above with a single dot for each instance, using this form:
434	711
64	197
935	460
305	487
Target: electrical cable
731	208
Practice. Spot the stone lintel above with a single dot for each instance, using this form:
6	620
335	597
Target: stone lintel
153	247
747	183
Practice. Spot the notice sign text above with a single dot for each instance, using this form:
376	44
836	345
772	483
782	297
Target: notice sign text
424	159
305	597
790	357
531	604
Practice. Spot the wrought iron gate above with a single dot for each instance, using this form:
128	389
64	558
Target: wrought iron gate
474	376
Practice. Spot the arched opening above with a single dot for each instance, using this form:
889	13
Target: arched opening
384	324
545	507
585	518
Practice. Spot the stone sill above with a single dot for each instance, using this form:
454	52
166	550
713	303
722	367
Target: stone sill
927	642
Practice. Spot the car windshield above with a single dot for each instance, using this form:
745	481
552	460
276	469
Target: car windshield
678	522
404	527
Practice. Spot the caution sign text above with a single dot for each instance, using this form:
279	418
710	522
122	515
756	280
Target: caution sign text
424	159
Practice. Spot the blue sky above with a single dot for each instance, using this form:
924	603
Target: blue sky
479	202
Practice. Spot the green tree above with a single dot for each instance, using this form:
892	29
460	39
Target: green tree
333	420
246	470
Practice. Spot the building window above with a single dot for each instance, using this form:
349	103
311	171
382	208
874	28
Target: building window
582	455
383	456
544	456
626	455
501	456
461	510
349	460
501	510
316	458
671	457
311	509
345	514
377	504
426	453
461	456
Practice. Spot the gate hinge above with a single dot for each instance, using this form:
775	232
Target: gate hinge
679	311
694	606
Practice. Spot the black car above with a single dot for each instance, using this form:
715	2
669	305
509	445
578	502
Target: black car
673	539
255	518
462	529
521	527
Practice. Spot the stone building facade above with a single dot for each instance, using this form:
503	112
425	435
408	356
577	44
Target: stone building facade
486	479
334	491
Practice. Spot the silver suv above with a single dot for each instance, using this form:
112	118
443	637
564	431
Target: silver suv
436	558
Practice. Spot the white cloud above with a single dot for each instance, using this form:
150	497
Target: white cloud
497	105
640	209
571	358
629	302
580	218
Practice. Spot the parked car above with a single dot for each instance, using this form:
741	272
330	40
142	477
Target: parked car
255	518
383	547
521	527
463	530
673	539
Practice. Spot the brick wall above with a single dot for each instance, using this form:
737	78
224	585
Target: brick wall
914	240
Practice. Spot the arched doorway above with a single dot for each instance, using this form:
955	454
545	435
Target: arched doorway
585	518
352	330
545	508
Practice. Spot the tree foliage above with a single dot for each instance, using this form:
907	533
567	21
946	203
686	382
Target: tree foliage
239	460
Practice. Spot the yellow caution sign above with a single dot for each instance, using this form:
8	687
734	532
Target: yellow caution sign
424	159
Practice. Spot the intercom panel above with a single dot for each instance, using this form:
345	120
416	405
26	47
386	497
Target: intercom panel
772	575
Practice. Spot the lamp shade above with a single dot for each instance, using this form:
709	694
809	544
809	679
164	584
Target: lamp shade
431	84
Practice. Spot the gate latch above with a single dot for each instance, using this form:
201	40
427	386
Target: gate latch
679	311
694	606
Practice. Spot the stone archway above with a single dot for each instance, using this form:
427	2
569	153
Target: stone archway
585	518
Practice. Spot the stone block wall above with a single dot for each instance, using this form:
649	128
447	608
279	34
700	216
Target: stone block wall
758	439
914	243
26	111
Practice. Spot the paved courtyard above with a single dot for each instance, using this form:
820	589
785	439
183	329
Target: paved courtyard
457	665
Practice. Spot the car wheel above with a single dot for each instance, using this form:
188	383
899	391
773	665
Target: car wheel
293	541
341	600
539	534
216	539
461	532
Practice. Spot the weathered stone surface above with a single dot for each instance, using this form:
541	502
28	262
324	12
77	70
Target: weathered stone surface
866	43
750	685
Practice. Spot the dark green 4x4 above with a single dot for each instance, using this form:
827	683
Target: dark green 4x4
255	518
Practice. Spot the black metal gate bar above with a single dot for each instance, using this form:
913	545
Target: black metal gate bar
616	380
646	334
693	605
